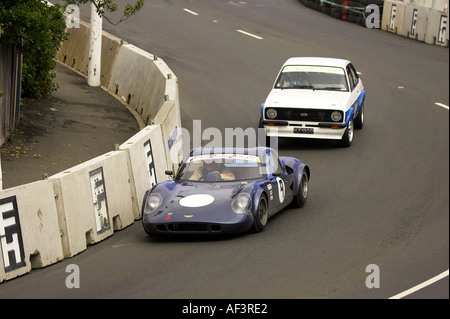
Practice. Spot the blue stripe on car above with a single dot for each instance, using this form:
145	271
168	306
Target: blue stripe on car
349	115
361	98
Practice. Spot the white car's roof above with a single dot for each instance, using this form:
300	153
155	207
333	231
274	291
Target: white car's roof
318	61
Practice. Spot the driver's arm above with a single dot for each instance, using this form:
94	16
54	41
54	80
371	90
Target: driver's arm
197	175
227	175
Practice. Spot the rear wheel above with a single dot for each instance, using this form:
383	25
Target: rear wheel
303	189
262	215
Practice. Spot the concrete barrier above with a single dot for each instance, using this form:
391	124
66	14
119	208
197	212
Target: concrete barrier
29	232
422	20
148	162
74	52
47	221
111	46
93	199
155	93
419	21
393	16
138	80
415	22
171	134
437	30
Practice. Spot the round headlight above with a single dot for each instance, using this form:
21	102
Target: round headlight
336	116
152	203
241	204
271	113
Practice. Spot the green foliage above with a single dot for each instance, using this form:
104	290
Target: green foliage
105	6
38	31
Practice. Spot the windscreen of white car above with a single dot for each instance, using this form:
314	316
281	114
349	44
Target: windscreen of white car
312	78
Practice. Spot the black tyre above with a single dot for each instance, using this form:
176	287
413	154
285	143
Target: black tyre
262	215
303	190
359	120
347	138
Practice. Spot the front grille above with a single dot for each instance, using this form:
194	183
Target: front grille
304	115
189	227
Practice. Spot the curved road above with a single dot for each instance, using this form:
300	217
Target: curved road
383	201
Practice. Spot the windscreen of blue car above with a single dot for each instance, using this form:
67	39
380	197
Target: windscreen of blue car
221	168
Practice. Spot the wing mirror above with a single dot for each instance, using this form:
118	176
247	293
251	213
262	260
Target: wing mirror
169	173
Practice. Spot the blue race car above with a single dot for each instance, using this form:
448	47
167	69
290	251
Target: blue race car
225	191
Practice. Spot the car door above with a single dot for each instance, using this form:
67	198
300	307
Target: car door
356	88
280	196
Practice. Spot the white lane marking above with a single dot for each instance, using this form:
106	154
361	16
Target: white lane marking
420	286
122	245
441	105
191	12
249	34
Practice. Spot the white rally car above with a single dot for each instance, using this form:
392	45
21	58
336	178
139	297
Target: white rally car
315	98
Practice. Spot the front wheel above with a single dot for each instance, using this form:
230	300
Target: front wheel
262	215
347	138
359	120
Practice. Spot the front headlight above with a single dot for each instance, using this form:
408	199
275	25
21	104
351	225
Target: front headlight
271	113
152	203
241	204
336	116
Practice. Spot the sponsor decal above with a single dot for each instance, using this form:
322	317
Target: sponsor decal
243	157
281	190
269	187
311	68
198	200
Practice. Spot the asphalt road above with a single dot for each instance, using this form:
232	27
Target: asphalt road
384	201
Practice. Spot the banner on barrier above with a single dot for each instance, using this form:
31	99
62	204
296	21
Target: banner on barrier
100	202
11	242
150	163
442	29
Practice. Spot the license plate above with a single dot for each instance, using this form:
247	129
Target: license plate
303	130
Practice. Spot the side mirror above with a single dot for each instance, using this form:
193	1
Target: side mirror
168	172
281	169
